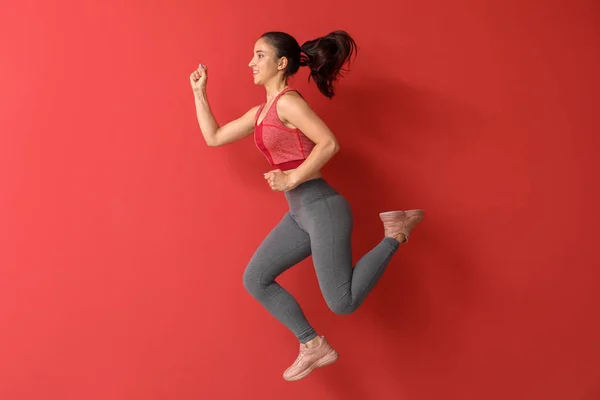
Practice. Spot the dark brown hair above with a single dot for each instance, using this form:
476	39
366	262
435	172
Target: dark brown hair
325	56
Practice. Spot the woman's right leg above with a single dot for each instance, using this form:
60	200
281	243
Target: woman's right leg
286	245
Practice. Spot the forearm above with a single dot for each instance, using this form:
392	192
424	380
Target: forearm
319	156
206	120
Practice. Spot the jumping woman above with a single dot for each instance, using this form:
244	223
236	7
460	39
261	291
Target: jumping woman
297	144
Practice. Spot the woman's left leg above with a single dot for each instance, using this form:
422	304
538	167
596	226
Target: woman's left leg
329	223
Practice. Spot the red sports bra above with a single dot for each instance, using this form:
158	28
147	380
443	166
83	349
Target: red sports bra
284	148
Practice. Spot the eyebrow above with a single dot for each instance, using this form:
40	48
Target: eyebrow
259	51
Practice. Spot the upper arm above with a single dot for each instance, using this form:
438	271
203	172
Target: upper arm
292	108
236	129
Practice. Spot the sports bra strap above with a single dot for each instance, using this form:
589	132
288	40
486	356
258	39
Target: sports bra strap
258	112
284	91
273	104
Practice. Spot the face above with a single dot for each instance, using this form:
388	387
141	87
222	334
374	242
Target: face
264	64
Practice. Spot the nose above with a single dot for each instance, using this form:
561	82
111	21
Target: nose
251	63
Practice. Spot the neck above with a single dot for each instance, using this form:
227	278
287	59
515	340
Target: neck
274	87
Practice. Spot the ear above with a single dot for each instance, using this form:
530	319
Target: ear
282	64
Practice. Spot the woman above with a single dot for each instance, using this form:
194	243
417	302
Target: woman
298	144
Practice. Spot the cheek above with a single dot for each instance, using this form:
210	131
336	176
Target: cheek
267	66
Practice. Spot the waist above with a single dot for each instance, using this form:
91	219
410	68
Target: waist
288	165
308	192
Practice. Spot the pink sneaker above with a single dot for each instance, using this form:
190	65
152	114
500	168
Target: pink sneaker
400	222
309	359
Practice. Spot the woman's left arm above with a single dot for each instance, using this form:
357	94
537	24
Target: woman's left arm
292	108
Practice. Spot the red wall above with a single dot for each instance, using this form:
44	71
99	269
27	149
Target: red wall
124	237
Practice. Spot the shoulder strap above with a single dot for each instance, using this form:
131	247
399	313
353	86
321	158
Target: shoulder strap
273	105
284	91
287	89
258	113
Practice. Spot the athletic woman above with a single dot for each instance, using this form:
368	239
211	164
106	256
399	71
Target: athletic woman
297	144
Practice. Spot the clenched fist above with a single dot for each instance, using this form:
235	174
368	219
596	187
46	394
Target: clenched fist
198	78
279	181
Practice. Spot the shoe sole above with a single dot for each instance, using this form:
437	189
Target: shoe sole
328	359
410	212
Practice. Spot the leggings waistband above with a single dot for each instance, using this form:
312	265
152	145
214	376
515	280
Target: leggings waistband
309	192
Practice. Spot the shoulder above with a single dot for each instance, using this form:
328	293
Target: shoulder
292	95
253	110
291	102
252	114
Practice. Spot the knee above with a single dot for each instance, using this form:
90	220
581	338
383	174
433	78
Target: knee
340	307
251	281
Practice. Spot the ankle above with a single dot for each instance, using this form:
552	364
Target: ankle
316	342
401	237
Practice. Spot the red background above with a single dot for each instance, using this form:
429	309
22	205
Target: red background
124	237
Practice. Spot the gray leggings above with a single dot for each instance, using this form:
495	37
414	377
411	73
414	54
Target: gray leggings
319	222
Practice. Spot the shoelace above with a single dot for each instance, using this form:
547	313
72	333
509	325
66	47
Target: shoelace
302	353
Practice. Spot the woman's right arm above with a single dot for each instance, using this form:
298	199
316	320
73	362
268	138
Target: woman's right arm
216	135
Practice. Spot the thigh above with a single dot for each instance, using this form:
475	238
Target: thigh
286	245
329	223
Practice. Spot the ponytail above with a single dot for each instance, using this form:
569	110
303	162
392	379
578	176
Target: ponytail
326	57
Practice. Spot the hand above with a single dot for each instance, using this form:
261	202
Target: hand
278	180
198	78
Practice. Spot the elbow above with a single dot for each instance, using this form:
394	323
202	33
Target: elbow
213	142
336	148
329	146
333	147
211	138
329	149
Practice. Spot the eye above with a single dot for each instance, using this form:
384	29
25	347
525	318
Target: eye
260	56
